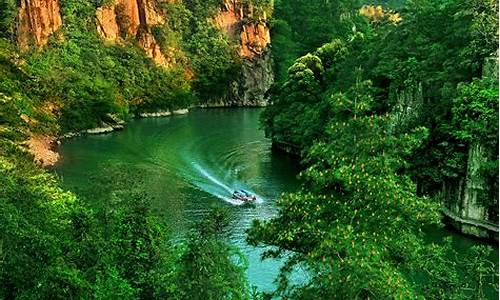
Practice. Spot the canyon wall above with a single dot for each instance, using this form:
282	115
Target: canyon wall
39	19
408	108
36	21
123	20
466	200
244	25
133	19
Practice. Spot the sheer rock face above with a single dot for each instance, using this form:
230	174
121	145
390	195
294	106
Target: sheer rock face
476	186
258	77
408	108
465	200
254	40
133	18
252	33
106	23
471	205
37	20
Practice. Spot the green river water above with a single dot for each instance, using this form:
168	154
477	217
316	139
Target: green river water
190	163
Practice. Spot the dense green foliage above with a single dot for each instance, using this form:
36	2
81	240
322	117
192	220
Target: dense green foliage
53	245
16	101
210	268
397	60
376	106
27	239
299	27
90	82
7	16
212	56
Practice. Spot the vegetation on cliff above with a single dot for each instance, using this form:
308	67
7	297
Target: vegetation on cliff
213	56
87	80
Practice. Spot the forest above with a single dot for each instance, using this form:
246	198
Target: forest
391	107
409	92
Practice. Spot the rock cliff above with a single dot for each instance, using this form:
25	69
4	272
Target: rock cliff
240	21
37	20
408	108
464	199
133	19
249	28
123	20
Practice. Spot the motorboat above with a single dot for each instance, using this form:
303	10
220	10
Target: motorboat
244	196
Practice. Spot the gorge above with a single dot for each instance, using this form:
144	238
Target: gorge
389	114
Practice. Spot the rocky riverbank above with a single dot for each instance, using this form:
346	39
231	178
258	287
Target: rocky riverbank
44	147
161	114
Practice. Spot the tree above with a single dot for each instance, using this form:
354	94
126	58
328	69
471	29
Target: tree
7	18
209	267
355	224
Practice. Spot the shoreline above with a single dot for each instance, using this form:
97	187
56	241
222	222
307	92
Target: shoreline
44	147
45	154
121	124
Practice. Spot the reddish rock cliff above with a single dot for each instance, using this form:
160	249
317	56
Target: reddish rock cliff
240	22
249	28
134	19
37	20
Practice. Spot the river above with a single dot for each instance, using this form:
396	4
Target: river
191	162
188	164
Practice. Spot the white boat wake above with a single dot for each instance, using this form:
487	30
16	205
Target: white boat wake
215	187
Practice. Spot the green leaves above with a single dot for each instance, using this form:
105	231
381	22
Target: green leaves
356	224
113	248
35	226
209	267
475	112
7	18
